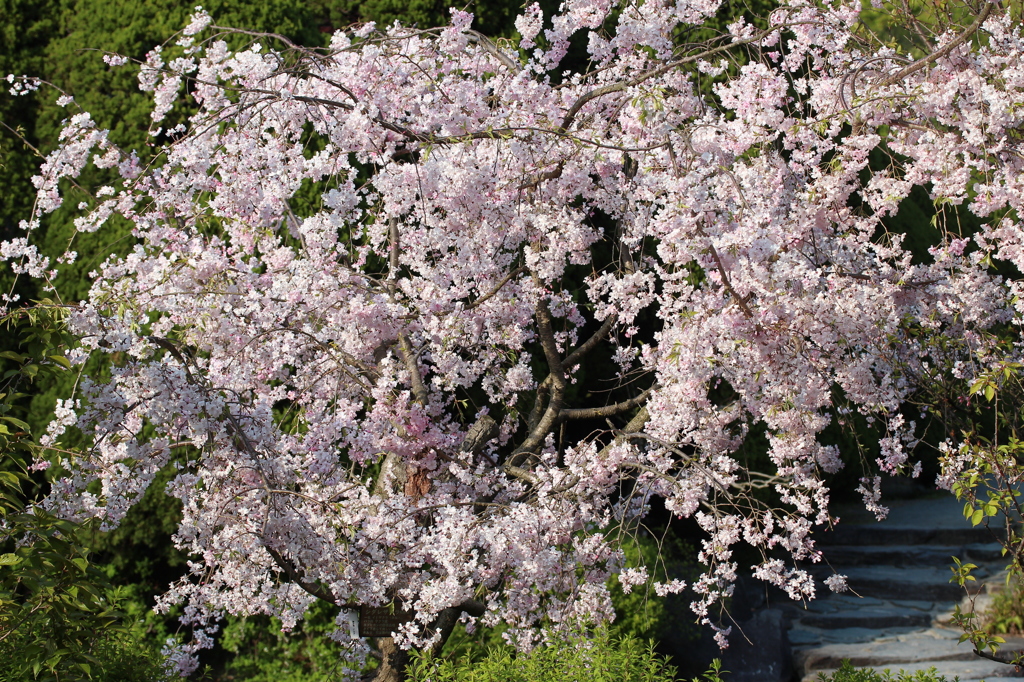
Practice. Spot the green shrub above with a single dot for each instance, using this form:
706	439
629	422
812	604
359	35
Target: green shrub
258	651
599	657
847	673
60	618
112	657
1005	615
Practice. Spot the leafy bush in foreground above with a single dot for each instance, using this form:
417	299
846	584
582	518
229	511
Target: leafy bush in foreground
848	673
576	657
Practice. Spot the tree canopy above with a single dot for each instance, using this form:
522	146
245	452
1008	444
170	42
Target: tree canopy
426	321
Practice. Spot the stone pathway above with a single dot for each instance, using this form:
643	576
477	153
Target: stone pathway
900	569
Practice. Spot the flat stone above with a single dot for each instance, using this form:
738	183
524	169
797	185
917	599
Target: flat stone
822	606
803	637
898	571
932	645
913	604
855	600
977	669
929	583
909	555
939	512
852	635
879	535
986	552
875	618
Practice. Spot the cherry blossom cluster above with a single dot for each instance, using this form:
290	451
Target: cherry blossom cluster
366	395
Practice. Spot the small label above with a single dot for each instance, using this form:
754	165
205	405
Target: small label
381	621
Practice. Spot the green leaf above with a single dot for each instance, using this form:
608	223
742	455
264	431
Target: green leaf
9	559
976	517
17	422
60	360
990	391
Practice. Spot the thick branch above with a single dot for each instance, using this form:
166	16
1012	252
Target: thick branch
740	301
538	405
1008	657
635	424
556	378
590	344
479	434
521	473
607	410
419	389
296	577
405	349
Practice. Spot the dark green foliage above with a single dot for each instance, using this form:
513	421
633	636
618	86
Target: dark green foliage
582	657
26	27
257	651
60	618
1005	615
641	613
59	614
493	17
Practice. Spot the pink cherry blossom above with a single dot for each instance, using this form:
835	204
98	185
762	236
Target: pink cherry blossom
371	397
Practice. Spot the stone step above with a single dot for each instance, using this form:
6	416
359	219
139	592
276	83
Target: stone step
845	611
899	572
979	669
873	535
929	583
808	637
928	645
876	619
919	555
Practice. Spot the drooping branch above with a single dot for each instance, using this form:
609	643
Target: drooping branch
490	294
986	10
596	93
630	429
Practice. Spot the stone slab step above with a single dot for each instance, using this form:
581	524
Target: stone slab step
875	619
933	644
846	611
978	669
930	583
911	555
806	637
873	535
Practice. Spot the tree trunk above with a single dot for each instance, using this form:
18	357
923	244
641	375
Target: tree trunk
395	660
